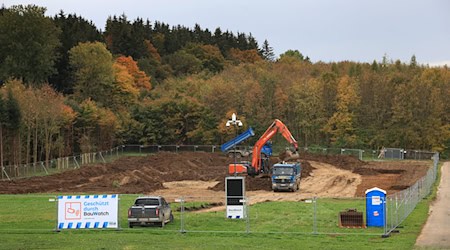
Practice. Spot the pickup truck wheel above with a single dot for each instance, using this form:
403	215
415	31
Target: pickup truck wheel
231	155
171	217
162	223
130	225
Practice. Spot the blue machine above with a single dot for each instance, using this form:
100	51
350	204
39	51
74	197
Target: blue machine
235	141
229	145
375	207
286	176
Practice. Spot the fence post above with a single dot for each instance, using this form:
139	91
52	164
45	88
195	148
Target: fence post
57	213
385	234
45	169
182	216
247	214
102	157
315	215
6	174
76	162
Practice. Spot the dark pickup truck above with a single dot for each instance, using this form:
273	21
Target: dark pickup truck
149	210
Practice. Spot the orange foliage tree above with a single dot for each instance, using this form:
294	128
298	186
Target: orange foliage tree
140	80
244	56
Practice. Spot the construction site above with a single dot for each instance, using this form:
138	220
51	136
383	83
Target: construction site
202	174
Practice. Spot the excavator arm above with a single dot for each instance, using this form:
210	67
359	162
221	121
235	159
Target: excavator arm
256	165
276	126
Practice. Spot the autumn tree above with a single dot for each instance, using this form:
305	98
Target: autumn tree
210	56
184	119
244	56
124	92
54	116
341	124
28	44
29	106
140	80
293	55
307	105
183	63
93	72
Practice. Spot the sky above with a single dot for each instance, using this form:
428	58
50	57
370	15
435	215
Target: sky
324	30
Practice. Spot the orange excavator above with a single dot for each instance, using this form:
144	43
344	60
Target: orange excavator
257	165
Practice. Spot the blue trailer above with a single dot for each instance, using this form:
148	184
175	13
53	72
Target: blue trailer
231	149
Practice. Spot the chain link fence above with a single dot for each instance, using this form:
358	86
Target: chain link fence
197	214
72	162
60	164
400	204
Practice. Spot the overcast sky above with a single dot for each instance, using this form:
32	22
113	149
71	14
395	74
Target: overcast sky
324	30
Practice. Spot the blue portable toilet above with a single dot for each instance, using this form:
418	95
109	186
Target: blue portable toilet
375	207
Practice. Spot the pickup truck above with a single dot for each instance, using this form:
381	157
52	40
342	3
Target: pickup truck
149	210
286	176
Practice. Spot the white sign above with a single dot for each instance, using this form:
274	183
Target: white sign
235	212
88	211
376	200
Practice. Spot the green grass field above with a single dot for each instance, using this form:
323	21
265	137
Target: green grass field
28	222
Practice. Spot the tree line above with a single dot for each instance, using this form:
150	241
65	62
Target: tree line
67	87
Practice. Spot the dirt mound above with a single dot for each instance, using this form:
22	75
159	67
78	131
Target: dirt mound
126	175
329	181
391	176
346	162
151	173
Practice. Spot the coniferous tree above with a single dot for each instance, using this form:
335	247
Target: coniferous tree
28	44
74	29
267	51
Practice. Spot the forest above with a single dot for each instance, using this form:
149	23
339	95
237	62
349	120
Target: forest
67	87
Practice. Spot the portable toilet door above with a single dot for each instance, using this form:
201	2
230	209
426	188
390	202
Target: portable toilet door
375	207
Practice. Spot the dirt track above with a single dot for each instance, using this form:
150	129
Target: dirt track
436	232
199	173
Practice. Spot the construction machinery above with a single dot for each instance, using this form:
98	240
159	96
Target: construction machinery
286	176
232	150
259	164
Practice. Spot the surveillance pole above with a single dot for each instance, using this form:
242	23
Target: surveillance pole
236	123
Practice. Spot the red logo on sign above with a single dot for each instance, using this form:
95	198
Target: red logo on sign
72	210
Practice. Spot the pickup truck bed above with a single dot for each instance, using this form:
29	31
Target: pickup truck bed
149	211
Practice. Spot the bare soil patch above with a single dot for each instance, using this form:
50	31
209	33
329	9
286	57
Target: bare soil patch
203	174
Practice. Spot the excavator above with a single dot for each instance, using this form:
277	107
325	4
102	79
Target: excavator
258	164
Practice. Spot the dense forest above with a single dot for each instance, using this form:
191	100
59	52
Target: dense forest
67	87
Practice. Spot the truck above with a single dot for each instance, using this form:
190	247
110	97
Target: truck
149	210
232	150
260	164
286	176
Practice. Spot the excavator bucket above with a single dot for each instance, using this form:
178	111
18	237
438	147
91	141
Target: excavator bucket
289	156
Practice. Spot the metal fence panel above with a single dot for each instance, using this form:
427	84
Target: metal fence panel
402	203
311	215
